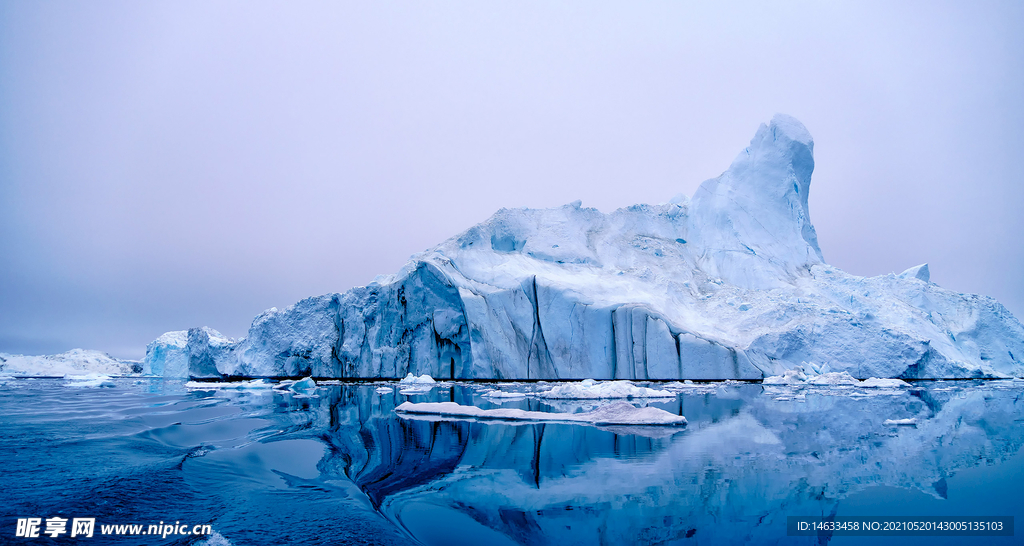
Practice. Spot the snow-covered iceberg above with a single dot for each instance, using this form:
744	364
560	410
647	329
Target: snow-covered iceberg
182	353
729	285
76	362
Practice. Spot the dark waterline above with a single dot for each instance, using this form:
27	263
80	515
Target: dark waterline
270	467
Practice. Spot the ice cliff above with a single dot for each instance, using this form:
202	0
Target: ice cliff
730	284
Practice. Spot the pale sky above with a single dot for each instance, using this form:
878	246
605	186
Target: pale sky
174	164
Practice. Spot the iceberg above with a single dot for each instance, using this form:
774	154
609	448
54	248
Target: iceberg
185	353
76	362
614	414
731	284
413	380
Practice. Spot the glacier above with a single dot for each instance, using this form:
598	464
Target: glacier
730	284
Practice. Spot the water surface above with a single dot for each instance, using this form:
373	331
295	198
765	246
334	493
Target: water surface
264	466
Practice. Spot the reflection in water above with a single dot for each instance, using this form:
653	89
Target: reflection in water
341	467
750	457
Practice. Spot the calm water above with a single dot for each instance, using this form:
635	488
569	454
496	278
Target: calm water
270	467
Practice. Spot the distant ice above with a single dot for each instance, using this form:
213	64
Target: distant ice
73	362
385	390
503	394
798	377
590	389
421	380
616	413
211	385
876	383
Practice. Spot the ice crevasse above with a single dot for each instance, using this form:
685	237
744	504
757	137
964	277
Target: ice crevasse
730	284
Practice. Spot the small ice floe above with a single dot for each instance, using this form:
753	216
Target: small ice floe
911	422
832	379
495	393
413	385
214	385
795	376
798	377
421	380
89	380
691	387
385	390
614	414
305	385
880	383
590	389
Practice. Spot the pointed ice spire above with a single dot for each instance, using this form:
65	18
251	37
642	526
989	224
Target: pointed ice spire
751	225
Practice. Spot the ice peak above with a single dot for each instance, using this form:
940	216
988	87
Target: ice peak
757	211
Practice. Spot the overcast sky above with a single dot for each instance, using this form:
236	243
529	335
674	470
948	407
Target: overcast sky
173	164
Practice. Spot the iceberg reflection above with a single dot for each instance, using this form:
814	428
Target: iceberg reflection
751	456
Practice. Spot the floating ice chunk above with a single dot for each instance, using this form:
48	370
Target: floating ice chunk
385	390
502	394
900	422
210	385
876	383
305	385
589	389
616	413
832	379
421	380
89	380
795	376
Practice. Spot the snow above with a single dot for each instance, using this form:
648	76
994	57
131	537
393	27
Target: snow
73	362
730	284
616	413
590	389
